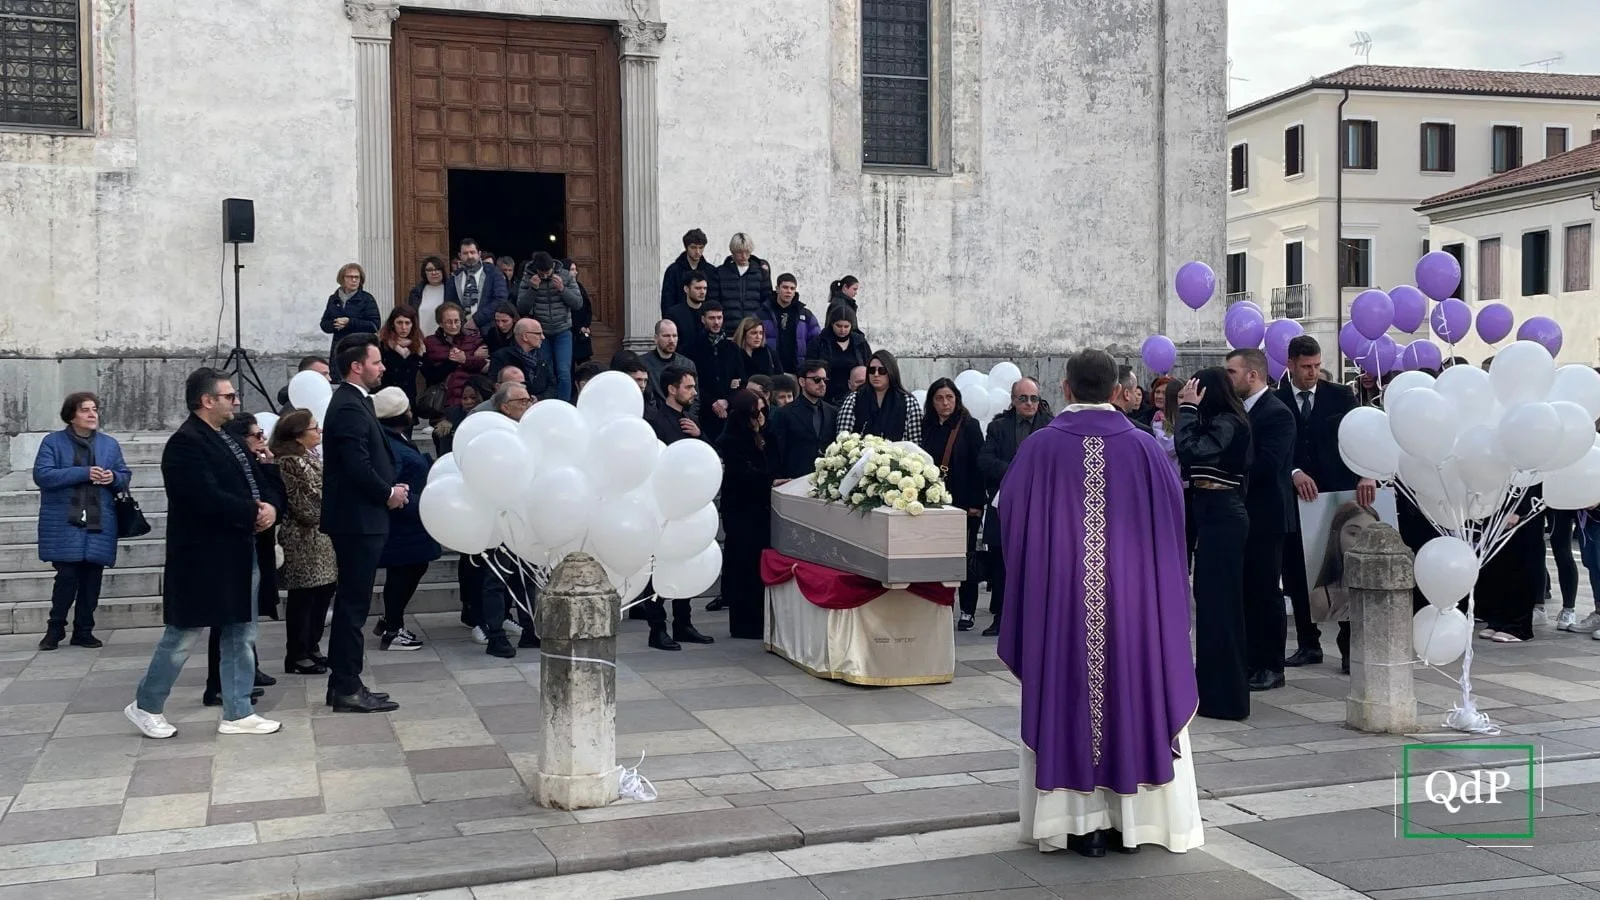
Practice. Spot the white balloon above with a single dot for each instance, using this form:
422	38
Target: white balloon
267	421
1577	435
1447	568
1579	384
444	467
557	430
1424	424
1522	373
558	504
622	454
454	517
1577	486
311	390
608	396
623	533
1529	434
971	378
1003	376
522	540
977	404
1406	381
675	579
1440	635
1478	460
1470	393
921	396
496	465
478	423
629	587
687	536
688	476
1367	445
999	401
1437	490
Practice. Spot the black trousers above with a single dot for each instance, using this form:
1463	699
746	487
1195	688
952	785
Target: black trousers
1561	524
1307	635
303	615
77	587
499	599
1221	659
969	588
399	586
655	611
1266	629
357	558
997	579
469	583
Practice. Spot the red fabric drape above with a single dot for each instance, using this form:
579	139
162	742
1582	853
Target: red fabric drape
833	589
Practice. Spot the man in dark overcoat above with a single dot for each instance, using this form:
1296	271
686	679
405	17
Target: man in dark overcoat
214	511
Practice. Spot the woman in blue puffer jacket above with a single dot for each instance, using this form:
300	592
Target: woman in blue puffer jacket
79	471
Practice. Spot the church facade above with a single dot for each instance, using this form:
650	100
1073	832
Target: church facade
1008	179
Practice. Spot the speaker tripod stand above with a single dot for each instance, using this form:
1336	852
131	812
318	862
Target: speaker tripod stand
238	363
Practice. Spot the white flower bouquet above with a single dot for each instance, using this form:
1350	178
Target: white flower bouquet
865	473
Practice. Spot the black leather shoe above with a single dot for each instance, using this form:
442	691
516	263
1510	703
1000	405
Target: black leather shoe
688	634
500	646
1344	666
264	680
660	640
994	628
1114	842
529	640
209	699
296	668
1304	657
376	695
319	659
716	605
87	640
363	701
1091	845
1266	681
50	642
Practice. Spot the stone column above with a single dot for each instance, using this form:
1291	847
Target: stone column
372	27
1379	574
577	619
640	42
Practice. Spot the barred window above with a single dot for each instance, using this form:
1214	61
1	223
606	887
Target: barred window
896	83
41	63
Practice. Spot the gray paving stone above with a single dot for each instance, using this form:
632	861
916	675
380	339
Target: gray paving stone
1462	867
733	696
1033	893
694	765
410	672
1334	837
815	752
59	824
1510	814
784	889
1001	720
634	716
513	718
930	877
1199	886
1283	773
956	762
32	718
100	756
53	690
656	839
501	693
1559	859
900	812
1069	868
155	777
103	887
455	759
229	813
892	705
1539	887
451	812
797	795
468	785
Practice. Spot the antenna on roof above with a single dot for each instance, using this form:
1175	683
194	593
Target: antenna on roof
1363	46
1232	78
1547	62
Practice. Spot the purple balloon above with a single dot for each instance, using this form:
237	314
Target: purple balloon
1494	322
1276	370
1451	319
1279	334
1381	358
1410	308
1351	343
1421	354
1246	304
1542	330
1372	313
1195	283
1244	328
1438	274
1159	353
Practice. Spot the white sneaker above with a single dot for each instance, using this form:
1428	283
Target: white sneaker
1566	619
513	629
478	637
1589	623
1539	617
251	724
151	725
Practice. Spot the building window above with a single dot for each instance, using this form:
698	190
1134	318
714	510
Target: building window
41	63
1237	263
1239	167
1294	150
1507	147
1360	144
1578	258
896	84
1555	141
1438	147
1294	263
1459	251
1535	263
1355	262
1489	269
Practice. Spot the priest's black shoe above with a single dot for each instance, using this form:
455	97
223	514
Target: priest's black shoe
660	640
1304	657
1266	681
210	699
994	628
1114	842
688	634
363	701
1092	845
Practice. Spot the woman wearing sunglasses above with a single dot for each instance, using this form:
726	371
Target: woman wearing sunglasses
881	406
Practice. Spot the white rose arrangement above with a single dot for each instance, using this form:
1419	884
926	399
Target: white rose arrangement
869	472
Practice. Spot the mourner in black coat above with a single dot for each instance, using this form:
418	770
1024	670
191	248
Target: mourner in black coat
954	440
801	430
1028	413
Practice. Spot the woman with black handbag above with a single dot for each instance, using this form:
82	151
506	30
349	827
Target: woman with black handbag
952	437
79	471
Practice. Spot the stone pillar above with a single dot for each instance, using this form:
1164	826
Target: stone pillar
640	42
372	28
577	616
1379	574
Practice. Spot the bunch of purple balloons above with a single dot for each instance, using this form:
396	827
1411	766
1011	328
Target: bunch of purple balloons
1196	284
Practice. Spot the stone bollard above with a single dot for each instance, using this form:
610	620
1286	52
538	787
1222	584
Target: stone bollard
1379	575
577	616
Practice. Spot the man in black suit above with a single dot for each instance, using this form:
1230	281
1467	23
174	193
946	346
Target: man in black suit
1126	397
1027	413
1319	406
1270	502
358	490
803	428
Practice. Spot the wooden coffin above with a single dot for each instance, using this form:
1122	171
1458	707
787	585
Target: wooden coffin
884	545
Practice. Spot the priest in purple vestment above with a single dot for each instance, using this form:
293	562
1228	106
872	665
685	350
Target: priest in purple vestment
1091	519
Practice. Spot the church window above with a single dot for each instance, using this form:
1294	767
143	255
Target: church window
42	47
896	83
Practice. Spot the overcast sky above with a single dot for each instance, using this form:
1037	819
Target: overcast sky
1277	44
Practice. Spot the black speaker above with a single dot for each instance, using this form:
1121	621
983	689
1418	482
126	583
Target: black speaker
238	221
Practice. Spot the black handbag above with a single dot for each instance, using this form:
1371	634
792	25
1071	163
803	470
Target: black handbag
131	522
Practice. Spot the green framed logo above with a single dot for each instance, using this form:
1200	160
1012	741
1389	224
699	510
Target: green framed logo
1452	786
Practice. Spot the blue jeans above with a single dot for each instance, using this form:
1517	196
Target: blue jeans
1590	551
238	668
557	351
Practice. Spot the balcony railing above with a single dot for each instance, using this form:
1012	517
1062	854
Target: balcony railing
1291	301
1236	296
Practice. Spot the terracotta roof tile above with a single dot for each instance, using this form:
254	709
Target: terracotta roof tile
1423	79
1581	161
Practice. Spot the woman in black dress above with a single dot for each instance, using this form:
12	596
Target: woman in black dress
746	513
841	348
1511	583
1213	441
952	437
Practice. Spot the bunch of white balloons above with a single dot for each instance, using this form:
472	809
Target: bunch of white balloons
590	477
307	390
1466	447
984	395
